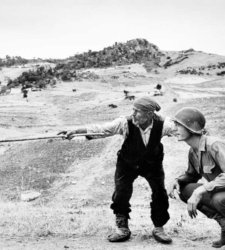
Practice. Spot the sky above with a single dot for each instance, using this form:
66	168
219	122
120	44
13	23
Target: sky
62	28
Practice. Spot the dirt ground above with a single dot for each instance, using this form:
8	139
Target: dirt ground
75	178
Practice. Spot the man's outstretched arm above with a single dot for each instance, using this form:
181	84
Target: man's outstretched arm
117	126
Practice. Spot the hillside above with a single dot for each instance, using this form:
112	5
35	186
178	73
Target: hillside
75	178
193	63
41	74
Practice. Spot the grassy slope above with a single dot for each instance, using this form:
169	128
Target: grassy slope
76	181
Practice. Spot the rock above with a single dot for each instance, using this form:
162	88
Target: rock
112	106
175	99
130	97
29	195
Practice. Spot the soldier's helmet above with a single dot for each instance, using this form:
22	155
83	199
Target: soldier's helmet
192	119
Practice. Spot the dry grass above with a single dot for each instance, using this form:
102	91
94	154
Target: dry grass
39	168
76	181
36	165
24	220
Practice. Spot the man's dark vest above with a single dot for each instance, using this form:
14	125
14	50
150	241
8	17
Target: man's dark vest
134	152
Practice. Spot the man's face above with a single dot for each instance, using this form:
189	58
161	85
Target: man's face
141	117
182	133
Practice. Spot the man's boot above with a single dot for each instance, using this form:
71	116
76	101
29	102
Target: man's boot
219	243
160	235
123	232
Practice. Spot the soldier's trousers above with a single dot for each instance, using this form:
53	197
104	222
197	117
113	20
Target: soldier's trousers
211	203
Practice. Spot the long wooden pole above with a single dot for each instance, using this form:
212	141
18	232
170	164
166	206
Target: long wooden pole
48	137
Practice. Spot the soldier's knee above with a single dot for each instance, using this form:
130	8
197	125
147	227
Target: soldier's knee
218	200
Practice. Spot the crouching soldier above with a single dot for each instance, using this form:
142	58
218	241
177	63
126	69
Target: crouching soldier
206	159
141	155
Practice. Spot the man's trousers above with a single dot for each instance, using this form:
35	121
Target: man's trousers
124	178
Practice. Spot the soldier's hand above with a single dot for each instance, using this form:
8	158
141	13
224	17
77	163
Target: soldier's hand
194	200
192	205
174	187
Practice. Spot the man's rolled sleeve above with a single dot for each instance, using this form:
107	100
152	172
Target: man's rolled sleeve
218	184
117	126
209	186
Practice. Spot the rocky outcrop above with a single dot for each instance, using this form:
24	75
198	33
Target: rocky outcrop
133	51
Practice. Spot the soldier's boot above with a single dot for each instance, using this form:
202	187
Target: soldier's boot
221	242
122	232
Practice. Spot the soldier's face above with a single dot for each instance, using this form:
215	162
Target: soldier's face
182	133
141	117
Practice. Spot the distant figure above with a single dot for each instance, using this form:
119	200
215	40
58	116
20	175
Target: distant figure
158	90
24	91
125	92
158	86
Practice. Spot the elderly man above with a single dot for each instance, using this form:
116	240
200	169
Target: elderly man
206	159
140	155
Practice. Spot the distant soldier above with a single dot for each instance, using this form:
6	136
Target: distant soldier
24	91
158	90
206	159
126	92
158	86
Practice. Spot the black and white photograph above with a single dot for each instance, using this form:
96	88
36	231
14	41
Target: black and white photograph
112	123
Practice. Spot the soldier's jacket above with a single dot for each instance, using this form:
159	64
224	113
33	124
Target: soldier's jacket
208	162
